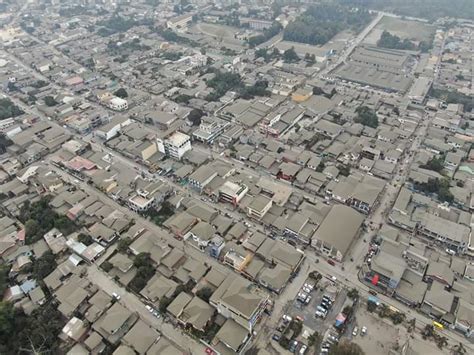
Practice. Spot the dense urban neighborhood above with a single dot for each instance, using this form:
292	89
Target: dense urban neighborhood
236	177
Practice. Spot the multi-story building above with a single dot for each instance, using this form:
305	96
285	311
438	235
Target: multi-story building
259	207
238	299
232	192
174	145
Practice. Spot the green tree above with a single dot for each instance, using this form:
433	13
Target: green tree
8	109
204	293
44	265
164	303
290	56
123	244
85	239
122	93
195	116
4	271
367	117
353	293
32	231
435	164
50	101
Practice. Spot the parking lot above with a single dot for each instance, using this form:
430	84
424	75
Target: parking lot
307	311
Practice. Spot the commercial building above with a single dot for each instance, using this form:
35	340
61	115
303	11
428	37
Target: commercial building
174	145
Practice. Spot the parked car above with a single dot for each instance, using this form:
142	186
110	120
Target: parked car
293	346
116	296
363	331
321	309
331	262
149	308
309	286
355	331
320	314
303	349
276	337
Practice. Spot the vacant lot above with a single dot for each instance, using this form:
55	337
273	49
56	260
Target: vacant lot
413	30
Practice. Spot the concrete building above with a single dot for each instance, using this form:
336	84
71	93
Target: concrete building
175	145
232	192
259	207
336	233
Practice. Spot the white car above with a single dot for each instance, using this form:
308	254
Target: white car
149	308
116	296
363	330
355	331
303	349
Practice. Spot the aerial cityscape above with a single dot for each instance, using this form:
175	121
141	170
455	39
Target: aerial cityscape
236	177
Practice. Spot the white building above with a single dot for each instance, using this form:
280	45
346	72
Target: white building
175	145
112	128
118	104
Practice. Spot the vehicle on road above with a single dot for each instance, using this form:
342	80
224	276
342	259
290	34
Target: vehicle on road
116	296
331	262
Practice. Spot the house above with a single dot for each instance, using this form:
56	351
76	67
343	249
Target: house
232	336
200	235
141	337
115	323
337	231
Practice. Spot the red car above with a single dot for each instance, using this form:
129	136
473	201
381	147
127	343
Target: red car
209	351
331	262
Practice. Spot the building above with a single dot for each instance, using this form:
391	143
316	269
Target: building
238	299
179	22
111	129
174	145
232	192
118	104
337	231
202	177
259	207
453	235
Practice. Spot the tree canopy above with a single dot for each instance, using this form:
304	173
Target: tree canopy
8	109
39	331
39	218
321	22
122	93
366	116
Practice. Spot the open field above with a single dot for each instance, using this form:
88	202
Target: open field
413	30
